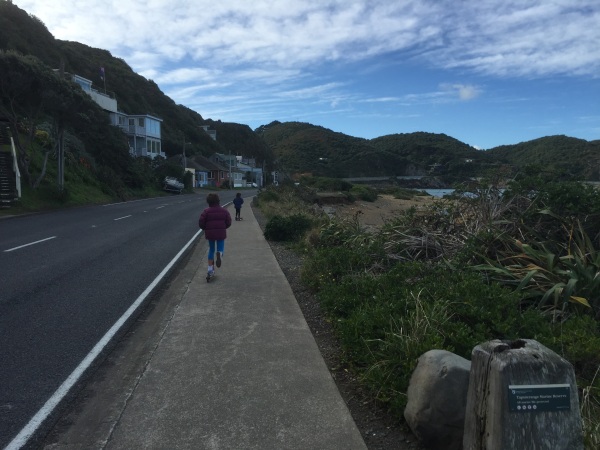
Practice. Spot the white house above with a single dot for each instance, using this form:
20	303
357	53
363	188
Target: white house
143	131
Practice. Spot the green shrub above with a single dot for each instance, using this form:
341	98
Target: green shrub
407	194
364	193
386	322
328	265
327	184
290	228
577	339
268	195
336	232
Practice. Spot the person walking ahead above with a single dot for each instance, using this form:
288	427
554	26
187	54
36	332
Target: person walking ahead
214	220
238	201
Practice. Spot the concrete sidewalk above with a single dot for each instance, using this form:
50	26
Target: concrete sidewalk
236	367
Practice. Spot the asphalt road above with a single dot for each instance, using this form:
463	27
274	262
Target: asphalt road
70	282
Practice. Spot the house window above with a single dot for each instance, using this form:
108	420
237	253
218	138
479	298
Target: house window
153	127
211	175
141	122
131	122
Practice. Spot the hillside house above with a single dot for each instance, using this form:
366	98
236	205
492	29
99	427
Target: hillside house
211	133
143	131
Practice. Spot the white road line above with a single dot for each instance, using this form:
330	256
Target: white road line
25	434
159	207
31	243
124	217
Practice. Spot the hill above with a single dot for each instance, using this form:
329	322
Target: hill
305	148
561	154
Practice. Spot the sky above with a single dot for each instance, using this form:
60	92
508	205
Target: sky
486	72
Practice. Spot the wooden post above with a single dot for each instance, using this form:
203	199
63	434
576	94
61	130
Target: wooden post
522	396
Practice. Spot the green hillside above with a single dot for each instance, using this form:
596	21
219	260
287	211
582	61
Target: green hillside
305	148
429	153
562	154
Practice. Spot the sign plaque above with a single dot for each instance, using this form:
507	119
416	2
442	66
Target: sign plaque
539	397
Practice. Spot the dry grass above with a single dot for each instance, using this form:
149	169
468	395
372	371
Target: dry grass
372	215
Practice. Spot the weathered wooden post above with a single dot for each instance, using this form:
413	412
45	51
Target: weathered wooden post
521	396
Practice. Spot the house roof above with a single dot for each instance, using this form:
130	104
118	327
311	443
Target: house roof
205	163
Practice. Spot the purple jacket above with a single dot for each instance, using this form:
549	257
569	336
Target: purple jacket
215	220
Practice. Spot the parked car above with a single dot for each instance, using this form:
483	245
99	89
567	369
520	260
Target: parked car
172	184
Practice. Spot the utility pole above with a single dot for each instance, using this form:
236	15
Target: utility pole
230	180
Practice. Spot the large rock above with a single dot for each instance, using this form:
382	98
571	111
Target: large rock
437	397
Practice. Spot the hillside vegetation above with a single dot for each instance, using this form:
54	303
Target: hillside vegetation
570	156
302	148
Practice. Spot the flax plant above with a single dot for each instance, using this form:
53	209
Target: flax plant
552	282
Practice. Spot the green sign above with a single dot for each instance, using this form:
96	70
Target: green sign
539	397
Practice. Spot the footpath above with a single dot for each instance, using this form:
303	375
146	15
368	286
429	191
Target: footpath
234	367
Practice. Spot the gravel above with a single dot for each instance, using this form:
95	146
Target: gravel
379	428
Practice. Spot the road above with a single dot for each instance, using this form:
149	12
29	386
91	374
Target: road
70	282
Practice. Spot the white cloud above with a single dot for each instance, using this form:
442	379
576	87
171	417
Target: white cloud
464	92
523	38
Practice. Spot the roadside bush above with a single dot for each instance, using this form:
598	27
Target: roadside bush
577	339
290	228
268	195
336	232
329	265
386	322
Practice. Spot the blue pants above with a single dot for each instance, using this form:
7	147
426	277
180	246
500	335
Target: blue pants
211	247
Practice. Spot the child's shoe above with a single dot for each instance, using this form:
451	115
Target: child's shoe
218	259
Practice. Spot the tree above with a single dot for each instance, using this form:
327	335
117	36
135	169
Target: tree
22	101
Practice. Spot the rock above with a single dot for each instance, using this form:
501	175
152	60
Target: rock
437	397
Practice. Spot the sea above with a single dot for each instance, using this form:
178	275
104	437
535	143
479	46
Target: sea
437	192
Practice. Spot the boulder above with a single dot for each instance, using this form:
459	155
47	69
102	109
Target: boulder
437	397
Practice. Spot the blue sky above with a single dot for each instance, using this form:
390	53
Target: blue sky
486	72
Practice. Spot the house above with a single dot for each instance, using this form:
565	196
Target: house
106	101
251	175
211	133
243	175
207	172
143	131
225	160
